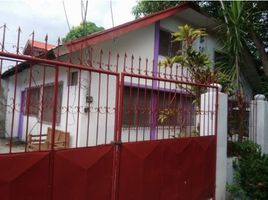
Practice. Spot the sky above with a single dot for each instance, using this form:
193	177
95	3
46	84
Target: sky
47	17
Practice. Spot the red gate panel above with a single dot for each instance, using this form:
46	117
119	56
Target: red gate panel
204	167
84	173
168	169
177	162
139	172
24	176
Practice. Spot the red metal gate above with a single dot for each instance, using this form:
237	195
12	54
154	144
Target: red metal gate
76	128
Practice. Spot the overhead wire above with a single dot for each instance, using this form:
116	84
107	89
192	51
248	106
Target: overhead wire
66	16
112	15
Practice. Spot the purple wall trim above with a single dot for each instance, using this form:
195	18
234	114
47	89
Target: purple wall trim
153	117
20	126
156	48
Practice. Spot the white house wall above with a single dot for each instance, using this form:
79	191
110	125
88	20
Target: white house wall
139	43
171	24
34	122
97	126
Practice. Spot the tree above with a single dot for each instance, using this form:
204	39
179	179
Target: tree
234	37
83	29
147	7
253	22
257	23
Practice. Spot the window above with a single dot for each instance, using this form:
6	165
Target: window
168	102
177	108
73	79
33	101
202	45
138	106
167	47
48	92
36	101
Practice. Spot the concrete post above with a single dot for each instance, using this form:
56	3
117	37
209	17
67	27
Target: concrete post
258	122
207	127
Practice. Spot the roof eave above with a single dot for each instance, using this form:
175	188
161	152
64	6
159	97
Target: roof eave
126	27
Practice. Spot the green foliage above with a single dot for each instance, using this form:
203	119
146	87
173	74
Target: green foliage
226	82
147	7
233	39
264	86
251	173
188	56
188	35
197	62
165	114
83	29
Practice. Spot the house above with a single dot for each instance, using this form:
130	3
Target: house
36	48
87	99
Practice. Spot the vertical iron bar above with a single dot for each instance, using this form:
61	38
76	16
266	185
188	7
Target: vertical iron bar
68	92
78	109
120	107
117	61
89	107
15	94
90	52
209	110
216	109
54	122
107	97
2	49
55	100
99	96
137	103
42	100
117	111
124	64
130	109
4	38
146	110
170	100
79	94
28	99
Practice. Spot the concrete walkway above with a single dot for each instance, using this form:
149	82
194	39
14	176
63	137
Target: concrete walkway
16	146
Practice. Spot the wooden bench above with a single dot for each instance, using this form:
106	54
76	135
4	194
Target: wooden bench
43	142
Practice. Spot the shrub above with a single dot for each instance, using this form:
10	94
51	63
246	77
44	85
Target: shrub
251	173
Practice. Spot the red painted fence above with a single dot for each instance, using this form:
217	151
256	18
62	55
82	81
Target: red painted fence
151	170
168	169
96	120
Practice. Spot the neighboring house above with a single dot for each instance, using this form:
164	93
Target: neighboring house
148	37
36	48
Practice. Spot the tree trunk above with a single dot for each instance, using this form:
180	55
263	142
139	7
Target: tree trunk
261	50
237	71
